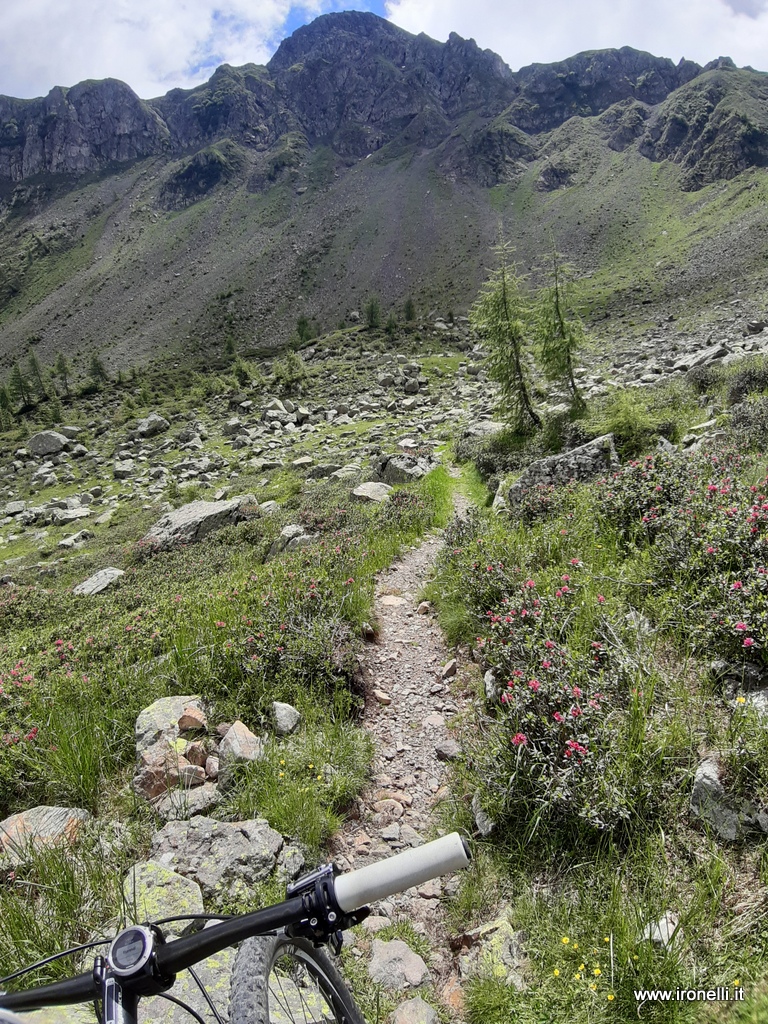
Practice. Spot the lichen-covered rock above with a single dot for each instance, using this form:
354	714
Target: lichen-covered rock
156	891
162	719
218	853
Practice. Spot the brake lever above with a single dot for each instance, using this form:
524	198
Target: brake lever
325	921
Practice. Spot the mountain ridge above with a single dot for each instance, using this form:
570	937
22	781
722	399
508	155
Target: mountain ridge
364	160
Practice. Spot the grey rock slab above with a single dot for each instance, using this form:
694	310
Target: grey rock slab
183	803
47	442
123	469
372	492
59	516
665	931
415	1011
239	746
152	425
38	827
285	717
394	965
154	890
161	719
589	460
98	582
195	520
218	853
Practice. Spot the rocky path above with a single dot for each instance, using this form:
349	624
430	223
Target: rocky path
412	697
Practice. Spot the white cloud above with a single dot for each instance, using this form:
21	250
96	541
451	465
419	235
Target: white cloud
154	45
526	33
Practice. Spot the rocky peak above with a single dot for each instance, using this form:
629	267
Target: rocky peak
591	82
77	130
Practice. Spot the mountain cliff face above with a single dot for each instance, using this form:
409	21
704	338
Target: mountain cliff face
363	159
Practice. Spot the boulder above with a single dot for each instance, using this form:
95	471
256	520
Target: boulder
218	853
38	827
152	425
394	965
192	522
728	816
161	719
239	746
98	582
155	891
162	768
182	803
46	442
415	1011
401	469
123	469
372	492
285	717
595	458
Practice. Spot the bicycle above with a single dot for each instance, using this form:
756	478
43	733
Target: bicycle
280	975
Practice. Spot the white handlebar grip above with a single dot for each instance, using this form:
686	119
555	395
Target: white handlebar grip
395	874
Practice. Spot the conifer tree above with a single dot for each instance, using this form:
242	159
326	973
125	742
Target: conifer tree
18	386
63	371
558	331
500	315
36	375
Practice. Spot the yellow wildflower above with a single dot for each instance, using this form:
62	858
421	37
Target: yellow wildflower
593	987
556	973
610	997
597	972
565	940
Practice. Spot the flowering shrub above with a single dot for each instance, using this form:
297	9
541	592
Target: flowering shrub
567	735
705	530
567	709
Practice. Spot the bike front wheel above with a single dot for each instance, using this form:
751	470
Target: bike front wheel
279	980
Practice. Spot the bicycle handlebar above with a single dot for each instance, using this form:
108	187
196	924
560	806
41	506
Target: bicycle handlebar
412	867
352	891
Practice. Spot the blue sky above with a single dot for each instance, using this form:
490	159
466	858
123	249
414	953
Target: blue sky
156	45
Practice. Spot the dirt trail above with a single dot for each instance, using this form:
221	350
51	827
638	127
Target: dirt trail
412	741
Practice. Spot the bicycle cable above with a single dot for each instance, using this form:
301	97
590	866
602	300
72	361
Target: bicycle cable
206	997
50	959
183	1005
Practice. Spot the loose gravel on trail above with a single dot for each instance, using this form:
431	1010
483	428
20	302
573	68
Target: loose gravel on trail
412	697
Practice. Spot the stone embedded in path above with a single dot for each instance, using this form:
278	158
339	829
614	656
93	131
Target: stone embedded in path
447	750
194	521
449	670
392	601
38	827
382	697
395	965
424	608
98	582
218	853
415	1011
